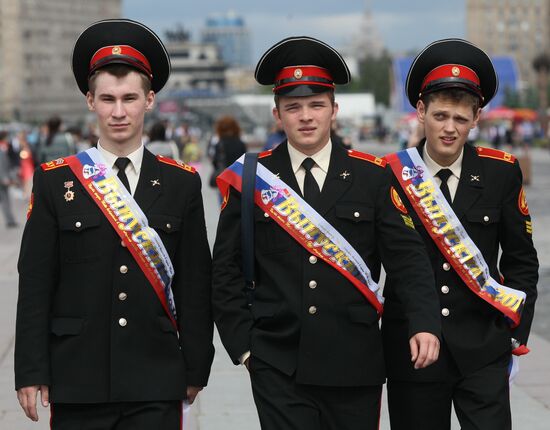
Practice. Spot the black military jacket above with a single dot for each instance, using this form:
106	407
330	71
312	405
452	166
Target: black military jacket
474	333
307	319
89	324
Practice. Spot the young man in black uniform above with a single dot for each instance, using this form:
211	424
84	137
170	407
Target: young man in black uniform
469	204
323	224
114	325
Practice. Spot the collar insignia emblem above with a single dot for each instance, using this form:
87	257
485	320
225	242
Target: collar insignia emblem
344	175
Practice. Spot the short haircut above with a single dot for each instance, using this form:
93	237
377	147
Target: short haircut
456	95
330	95
119	71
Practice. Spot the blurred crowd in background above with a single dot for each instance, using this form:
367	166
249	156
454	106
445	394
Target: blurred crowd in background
210	150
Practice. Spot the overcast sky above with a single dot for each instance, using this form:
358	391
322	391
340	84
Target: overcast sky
403	25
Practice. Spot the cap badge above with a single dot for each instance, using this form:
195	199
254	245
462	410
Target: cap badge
116	50
298	73
455	71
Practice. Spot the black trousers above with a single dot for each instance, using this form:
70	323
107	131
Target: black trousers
284	404
481	400
117	416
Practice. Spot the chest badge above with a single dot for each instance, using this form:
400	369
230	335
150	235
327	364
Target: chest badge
474	178
344	175
155	182
69	194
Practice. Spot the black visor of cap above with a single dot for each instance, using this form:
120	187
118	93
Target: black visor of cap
302	90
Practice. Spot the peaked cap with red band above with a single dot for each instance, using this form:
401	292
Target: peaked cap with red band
301	66
120	41
452	63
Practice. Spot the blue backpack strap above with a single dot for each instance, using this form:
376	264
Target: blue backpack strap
247	223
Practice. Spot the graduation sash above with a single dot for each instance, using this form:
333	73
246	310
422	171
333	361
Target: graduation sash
450	236
129	222
306	226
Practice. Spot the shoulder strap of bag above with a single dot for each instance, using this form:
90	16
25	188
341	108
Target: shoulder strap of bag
247	227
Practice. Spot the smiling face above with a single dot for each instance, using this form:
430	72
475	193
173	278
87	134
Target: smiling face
120	103
447	122
306	120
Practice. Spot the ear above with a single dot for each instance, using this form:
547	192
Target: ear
420	111
275	113
90	101
476	118
150	101
334	111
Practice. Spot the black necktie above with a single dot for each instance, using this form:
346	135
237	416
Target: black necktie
121	164
444	174
311	187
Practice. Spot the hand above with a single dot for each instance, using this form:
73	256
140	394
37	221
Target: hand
424	349
192	393
27	399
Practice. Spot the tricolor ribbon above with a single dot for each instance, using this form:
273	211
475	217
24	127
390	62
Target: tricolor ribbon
128	221
306	226
450	236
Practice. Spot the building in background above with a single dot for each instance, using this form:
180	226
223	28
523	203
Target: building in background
36	42
197	68
229	32
367	41
519	28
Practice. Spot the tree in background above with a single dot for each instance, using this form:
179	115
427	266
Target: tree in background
374	77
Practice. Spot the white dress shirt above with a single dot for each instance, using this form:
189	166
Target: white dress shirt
132	170
320	168
455	168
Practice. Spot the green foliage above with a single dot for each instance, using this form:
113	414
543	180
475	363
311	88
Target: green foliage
511	98
374	77
529	98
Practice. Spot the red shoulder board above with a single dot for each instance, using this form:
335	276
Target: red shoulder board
497	154
176	163
367	157
54	164
265	153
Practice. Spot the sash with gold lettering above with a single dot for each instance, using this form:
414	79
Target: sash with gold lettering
306	226
450	236
129	222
